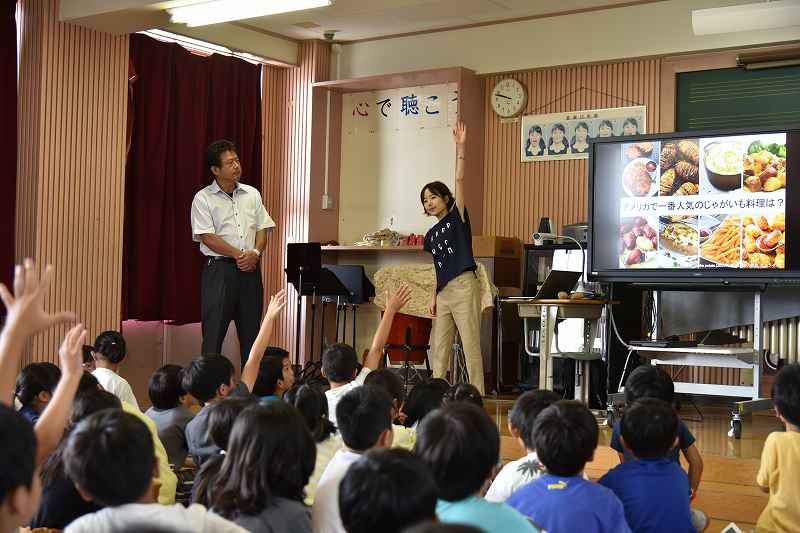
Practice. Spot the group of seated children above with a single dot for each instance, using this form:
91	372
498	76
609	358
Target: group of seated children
275	456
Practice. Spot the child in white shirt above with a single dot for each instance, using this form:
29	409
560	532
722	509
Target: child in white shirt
109	351
520	423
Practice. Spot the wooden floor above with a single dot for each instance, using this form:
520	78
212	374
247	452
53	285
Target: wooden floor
728	491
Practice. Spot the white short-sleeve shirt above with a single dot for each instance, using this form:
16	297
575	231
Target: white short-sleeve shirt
235	218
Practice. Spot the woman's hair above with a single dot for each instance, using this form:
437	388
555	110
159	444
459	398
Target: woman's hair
563	130
423	399
535	129
607	123
313	406
584	126
33	379
630	121
271	453
439	189
86	403
111	346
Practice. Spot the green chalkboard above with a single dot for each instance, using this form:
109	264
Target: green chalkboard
737	98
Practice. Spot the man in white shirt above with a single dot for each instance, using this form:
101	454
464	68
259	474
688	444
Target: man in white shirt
365	418
230	223
339	361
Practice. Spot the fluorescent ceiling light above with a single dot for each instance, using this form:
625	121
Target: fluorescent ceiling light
746	17
216	11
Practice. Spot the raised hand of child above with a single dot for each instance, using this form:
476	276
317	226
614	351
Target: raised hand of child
460	133
26	314
400	298
276	304
70	354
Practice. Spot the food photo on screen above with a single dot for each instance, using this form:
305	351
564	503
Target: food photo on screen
723	246
764	164
640	169
638	242
764	241
679	241
678	163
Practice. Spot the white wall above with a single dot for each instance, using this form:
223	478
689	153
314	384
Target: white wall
661	28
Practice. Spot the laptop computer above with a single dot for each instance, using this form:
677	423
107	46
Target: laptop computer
555	282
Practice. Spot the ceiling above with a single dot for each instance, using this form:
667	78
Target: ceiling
367	19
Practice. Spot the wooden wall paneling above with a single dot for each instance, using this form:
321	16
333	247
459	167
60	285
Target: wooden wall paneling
518	194
73	105
288	118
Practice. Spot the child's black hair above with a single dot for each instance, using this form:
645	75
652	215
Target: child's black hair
222	417
164	388
269	372
565	436
271	454
88	350
362	415
111	346
110	456
461	445
437	188
423	399
205	374
34	379
339	362
649	428
85	404
370	492
649	381
463	392
388	380
17	452
313	406
87	383
537	129
786	393
523	414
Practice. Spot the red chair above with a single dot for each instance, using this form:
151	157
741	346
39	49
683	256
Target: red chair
408	344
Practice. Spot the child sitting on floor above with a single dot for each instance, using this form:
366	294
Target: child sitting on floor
109	352
653	489
20	488
370	494
520	424
170	411
388	380
111	459
365	422
778	473
34	389
339	361
461	445
275	375
565	436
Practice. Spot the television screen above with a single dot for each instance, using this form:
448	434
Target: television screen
706	207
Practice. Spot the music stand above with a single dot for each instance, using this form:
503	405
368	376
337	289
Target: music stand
303	267
359	290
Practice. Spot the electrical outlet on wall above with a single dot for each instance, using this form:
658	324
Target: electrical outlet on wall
327	201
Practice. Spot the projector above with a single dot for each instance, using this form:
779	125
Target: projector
579	232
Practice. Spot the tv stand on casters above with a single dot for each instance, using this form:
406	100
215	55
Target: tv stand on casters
744	357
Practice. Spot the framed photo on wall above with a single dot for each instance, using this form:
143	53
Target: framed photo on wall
566	135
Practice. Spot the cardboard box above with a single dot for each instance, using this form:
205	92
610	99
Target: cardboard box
493	246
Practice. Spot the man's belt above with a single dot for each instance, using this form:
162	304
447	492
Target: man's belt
217	258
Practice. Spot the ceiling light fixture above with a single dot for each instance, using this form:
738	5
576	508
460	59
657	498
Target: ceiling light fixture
746	17
216	11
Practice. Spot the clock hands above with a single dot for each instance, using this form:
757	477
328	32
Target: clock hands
503	96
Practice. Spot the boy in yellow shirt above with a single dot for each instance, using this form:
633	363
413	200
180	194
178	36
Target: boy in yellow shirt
778	472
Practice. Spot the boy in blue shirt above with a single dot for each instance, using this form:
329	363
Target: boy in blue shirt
653	489
648	381
565	437
461	446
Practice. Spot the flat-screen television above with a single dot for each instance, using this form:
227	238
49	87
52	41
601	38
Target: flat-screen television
710	208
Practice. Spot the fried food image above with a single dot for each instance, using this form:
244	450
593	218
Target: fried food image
669	154
764	171
687	171
637	179
763	241
638	150
723	246
689	151
681	238
667	182
687	189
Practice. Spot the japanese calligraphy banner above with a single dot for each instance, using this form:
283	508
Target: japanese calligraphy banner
452	104
359	113
434	106
386	109
566	135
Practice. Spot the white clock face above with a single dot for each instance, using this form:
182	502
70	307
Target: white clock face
509	97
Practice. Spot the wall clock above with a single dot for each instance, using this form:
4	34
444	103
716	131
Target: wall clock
509	98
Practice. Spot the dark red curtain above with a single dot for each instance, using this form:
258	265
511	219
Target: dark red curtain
8	136
180	103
